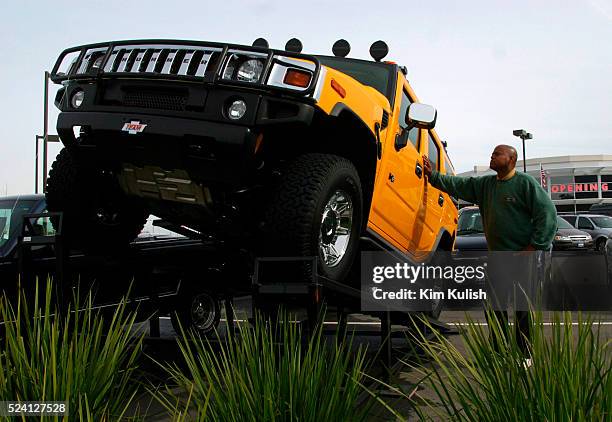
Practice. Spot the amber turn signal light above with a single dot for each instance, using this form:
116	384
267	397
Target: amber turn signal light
338	88
297	78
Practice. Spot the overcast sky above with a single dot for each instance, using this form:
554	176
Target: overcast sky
488	66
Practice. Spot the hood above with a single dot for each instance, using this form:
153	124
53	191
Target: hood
570	232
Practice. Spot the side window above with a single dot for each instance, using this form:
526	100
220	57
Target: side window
5	218
570	219
412	134
448	166
433	153
584	223
43	227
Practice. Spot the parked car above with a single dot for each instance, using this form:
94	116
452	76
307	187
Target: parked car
597	225
160	271
605	209
470	233
568	237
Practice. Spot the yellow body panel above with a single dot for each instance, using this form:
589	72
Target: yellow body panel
405	210
364	101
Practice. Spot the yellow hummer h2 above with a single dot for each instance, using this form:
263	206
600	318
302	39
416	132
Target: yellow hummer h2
271	152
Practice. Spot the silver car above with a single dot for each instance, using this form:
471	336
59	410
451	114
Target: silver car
598	226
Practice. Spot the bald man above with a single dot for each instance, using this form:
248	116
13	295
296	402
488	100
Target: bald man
517	214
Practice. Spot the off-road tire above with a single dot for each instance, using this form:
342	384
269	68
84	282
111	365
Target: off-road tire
81	192
293	218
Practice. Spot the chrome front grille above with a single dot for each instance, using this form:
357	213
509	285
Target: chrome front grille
160	59
211	63
579	238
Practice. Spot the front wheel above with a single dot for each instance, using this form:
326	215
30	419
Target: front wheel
97	215
317	211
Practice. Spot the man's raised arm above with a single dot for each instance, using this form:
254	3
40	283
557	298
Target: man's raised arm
466	188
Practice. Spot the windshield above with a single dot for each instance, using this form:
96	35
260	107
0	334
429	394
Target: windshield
469	222
379	76
603	222
562	224
11	213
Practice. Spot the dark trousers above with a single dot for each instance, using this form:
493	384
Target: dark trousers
522	326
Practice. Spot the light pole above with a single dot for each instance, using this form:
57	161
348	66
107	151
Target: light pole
523	134
45	138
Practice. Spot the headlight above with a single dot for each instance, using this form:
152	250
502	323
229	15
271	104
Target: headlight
77	98
250	71
236	110
588	237
244	67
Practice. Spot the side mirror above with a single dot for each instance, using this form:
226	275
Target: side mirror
422	116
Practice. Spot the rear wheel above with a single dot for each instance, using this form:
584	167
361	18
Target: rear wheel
600	245
96	213
317	211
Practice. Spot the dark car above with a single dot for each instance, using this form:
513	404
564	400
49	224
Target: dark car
568	237
12	210
470	232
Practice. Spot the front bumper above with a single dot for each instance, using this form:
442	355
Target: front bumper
566	245
206	150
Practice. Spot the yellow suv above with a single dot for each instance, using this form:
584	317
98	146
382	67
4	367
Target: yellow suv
267	152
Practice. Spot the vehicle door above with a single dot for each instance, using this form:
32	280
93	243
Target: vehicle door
433	198
398	194
586	225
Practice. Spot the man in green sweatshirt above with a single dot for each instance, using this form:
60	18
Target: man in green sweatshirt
517	214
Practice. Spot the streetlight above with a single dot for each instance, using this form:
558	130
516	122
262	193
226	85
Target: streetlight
523	134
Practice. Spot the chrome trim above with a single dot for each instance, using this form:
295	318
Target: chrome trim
124	60
152	61
203	64
186	62
87	58
282	65
320	83
136	65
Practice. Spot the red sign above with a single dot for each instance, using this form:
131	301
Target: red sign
578	187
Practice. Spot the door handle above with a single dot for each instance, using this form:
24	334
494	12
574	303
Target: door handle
418	170
440	200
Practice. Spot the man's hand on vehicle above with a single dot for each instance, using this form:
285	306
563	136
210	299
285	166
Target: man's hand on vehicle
426	166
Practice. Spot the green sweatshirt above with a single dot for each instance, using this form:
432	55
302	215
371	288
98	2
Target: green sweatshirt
515	213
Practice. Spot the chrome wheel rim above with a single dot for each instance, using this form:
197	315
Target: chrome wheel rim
336	225
203	312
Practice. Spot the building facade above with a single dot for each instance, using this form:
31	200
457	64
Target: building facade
574	182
